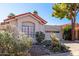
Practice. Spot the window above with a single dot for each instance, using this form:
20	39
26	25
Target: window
28	29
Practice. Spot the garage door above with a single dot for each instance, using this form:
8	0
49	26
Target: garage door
48	33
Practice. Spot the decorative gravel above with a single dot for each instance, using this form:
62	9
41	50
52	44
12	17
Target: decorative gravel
39	50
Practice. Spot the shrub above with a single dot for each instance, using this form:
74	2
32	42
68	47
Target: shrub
56	45
64	48
40	36
59	48
18	35
11	14
55	40
55	49
47	43
67	33
11	46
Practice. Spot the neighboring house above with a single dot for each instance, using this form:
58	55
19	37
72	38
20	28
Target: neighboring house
29	23
76	29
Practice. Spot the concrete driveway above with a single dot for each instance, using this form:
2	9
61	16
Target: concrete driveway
74	47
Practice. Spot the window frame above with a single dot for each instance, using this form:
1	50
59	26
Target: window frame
28	27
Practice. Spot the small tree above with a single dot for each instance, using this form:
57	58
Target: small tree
40	36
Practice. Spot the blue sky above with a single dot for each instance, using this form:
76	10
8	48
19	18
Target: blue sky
44	10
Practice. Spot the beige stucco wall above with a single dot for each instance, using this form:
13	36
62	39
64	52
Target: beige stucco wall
29	18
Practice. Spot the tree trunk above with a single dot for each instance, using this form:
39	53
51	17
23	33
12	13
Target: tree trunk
73	23
72	29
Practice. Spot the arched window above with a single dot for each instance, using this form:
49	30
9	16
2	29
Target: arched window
28	28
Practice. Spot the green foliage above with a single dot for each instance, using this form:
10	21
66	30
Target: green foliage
60	10
56	46
59	48
11	46
67	28
55	49
67	10
47	43
11	14
67	33
63	10
40	36
35	12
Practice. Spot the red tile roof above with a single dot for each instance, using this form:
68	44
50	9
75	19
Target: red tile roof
76	26
35	15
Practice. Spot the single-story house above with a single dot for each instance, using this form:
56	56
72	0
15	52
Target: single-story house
29	23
